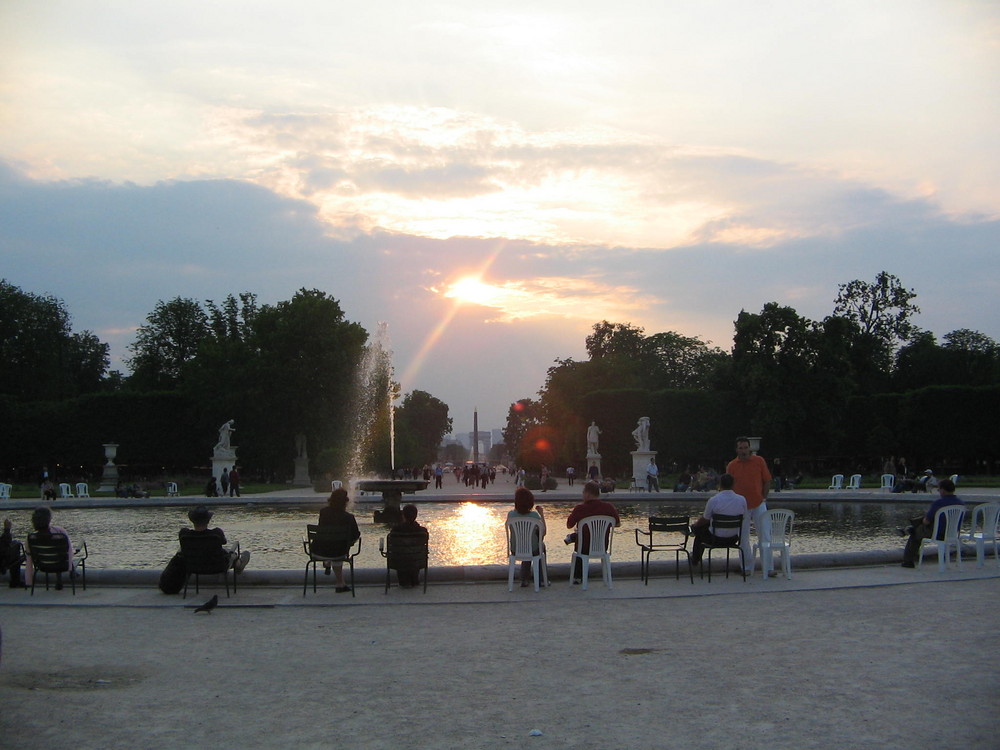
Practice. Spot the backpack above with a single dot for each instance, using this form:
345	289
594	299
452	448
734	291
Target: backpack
173	576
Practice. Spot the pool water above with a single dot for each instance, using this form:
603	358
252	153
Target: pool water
466	533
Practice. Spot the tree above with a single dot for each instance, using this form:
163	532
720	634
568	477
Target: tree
882	311
234	320
166	343
773	354
300	376
522	416
685	362
622	340
973	354
975	342
40	356
422	421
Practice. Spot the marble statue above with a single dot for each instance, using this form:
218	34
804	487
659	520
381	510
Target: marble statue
641	434
592	436
225	434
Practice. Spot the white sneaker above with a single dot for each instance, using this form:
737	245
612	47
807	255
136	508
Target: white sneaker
241	563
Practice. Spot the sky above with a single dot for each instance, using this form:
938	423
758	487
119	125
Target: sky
493	178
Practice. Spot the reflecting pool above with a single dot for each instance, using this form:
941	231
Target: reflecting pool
465	533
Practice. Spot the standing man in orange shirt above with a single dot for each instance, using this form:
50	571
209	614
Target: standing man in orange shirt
753	481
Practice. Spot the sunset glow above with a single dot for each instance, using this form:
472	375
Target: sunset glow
495	178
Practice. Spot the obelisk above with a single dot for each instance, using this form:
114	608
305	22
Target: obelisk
475	435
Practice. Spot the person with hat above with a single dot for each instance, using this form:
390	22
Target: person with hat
926	482
199	518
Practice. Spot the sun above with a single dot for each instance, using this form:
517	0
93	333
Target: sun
471	289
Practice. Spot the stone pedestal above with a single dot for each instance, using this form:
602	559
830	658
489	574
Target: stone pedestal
594	459
109	476
301	477
222	458
640	460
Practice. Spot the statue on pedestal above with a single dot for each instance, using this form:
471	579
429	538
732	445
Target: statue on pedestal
641	434
593	432
224	446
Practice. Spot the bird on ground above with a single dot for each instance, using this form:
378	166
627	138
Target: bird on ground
209	605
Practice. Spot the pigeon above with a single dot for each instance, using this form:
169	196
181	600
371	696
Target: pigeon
209	605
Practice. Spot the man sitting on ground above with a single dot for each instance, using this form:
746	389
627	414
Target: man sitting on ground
726	503
199	518
922	528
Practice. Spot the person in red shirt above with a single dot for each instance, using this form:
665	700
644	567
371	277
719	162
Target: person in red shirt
592	505
752	479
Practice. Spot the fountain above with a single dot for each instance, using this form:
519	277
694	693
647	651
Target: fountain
374	388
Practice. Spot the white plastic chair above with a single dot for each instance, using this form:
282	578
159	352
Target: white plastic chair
65	491
954	479
523	534
598	529
855	482
782	521
82	490
837	483
950	518
5	491
984	531
888	482
172	489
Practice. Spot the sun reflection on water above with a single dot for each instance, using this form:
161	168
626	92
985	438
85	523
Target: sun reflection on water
469	536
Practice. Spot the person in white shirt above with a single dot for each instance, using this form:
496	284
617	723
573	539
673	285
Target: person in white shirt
727	503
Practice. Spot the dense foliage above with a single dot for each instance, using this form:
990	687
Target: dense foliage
841	394
278	370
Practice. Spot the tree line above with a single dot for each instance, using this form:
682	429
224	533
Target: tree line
279	370
840	394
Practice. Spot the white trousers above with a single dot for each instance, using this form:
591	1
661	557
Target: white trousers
762	525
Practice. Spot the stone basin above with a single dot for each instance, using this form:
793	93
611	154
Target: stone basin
392	494
395	487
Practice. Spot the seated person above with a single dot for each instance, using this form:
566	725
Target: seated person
921	528
903	483
683	483
335	514
41	521
524	507
212	488
725	502
926	482
48	490
11	556
408	576
199	518
592	505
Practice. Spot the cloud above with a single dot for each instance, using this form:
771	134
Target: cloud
111	251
